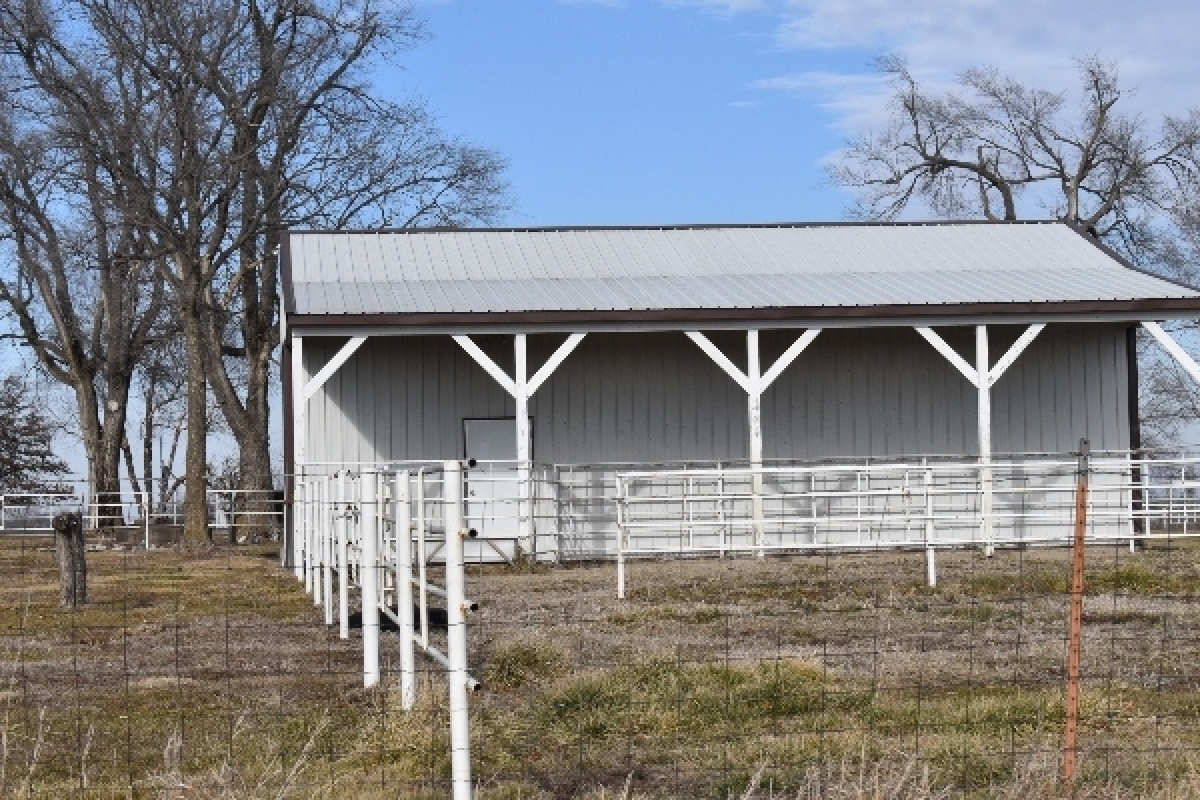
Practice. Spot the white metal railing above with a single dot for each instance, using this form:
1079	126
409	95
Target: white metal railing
371	527
31	513
904	504
571	511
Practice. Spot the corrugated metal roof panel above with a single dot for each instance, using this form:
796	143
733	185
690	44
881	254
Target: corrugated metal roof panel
698	268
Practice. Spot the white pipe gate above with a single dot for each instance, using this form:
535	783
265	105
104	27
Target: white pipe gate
363	526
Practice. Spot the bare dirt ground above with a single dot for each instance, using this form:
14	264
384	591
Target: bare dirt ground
208	673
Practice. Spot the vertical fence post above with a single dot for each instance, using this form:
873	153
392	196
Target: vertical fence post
1075	624
422	559
621	522
930	553
404	592
456	633
754	408
327	544
983	375
297	528
317	536
343	557
368	576
306	527
146	516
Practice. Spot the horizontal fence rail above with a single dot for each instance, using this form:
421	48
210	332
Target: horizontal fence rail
573	512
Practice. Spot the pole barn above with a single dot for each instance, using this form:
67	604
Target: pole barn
559	357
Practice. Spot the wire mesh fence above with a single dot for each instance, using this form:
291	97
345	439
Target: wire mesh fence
203	670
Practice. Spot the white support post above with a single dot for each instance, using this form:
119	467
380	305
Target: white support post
983	376
368	576
1172	347
302	390
524	488
402	524
456	633
754	405
754	383
299	408
983	371
343	557
522	388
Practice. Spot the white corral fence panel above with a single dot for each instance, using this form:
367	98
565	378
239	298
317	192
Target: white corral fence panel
902	504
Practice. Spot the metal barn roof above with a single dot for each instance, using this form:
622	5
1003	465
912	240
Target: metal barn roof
408	277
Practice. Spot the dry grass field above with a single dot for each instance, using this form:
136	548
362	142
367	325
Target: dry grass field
209	673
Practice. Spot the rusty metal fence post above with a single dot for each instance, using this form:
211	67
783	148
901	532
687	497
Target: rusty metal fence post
1075	623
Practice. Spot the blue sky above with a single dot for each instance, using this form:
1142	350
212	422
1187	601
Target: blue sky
667	111
626	115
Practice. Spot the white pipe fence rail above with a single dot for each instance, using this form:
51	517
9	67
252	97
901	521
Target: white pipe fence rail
573	512
378	530
135	512
912	504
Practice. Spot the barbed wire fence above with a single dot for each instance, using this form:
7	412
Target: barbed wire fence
207	670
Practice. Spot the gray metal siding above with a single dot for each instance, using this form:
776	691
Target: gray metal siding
655	397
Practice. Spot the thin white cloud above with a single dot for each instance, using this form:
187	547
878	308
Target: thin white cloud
853	100
601	3
1033	40
720	6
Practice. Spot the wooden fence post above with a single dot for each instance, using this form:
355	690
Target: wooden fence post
72	563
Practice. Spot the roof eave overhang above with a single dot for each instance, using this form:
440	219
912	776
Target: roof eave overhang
762	318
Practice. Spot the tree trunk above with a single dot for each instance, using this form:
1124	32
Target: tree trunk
107	470
195	501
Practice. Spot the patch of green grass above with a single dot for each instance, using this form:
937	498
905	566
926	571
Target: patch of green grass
979	613
1126	579
1032	580
1121	618
517	665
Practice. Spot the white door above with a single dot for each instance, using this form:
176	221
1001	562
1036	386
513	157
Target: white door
493	488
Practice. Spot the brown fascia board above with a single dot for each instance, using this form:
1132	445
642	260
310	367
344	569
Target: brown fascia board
688	227
1135	309
285	273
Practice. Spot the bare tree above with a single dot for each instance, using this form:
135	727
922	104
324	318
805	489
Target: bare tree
1169	399
996	145
247	116
77	279
317	148
998	149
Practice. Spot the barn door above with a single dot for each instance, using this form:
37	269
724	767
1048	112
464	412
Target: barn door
493	488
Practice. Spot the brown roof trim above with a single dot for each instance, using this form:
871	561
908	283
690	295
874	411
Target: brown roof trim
1135	308
285	273
702	226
